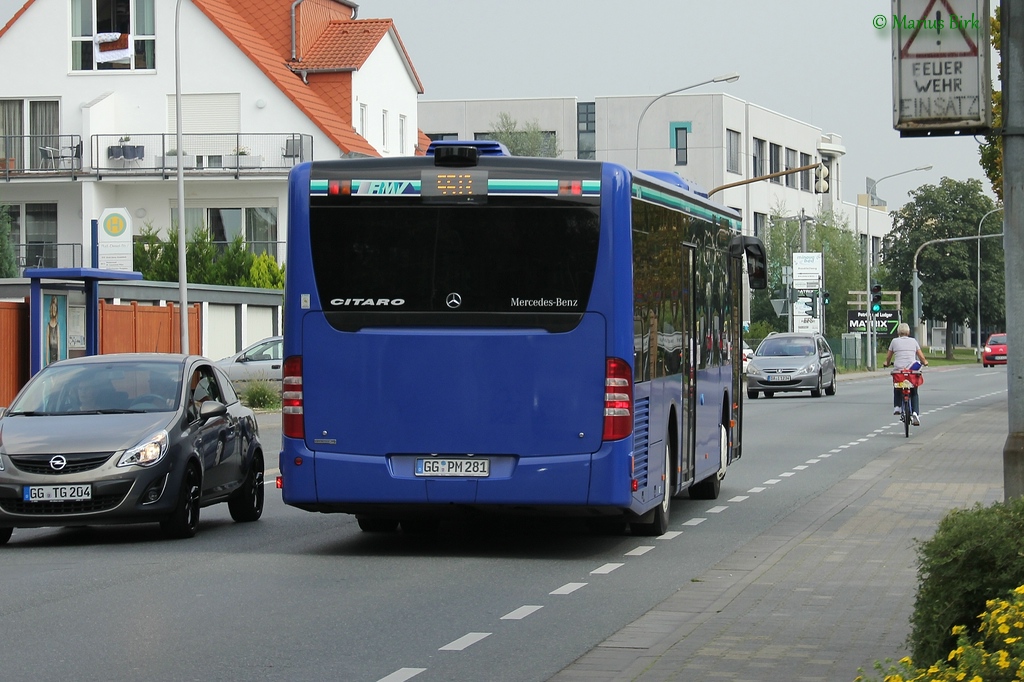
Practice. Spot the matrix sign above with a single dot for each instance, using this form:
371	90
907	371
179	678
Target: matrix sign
941	77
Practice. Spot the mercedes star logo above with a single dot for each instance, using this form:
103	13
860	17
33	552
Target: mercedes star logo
57	462
453	300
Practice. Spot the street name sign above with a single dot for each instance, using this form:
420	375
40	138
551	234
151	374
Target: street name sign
941	75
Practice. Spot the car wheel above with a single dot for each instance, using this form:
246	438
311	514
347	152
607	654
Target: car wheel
246	504
831	390
184	521
769	394
659	522
985	364
752	394
5	535
816	392
375	524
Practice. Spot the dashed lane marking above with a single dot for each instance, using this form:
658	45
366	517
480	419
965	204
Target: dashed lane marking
521	612
606	569
465	641
568	588
640	551
402	674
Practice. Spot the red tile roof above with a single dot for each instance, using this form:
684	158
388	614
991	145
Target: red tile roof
261	29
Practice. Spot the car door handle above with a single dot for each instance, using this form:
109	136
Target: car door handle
275	367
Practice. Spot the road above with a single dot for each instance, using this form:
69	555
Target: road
300	596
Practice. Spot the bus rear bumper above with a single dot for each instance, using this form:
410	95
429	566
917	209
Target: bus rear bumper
339	482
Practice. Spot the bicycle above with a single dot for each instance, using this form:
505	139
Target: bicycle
905	380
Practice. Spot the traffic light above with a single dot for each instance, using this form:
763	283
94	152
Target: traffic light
820	182
824	298
876	298
812	307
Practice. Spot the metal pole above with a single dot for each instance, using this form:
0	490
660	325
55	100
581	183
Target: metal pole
728	78
1013	217
978	333
182	270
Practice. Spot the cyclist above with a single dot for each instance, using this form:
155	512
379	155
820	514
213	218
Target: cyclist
903	351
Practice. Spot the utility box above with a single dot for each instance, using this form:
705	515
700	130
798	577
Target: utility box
851	350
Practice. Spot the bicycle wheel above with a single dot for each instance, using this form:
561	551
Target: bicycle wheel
905	415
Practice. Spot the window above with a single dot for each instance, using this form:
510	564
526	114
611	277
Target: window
732	151
680	141
362	120
113	35
384	130
257	225
401	134
43	130
760	221
586	130
775	161
442	136
758	157
805	176
790	165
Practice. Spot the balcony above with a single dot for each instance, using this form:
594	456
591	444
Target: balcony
152	154
48	255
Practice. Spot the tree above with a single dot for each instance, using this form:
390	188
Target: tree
265	273
208	262
991	150
948	270
528	141
8	261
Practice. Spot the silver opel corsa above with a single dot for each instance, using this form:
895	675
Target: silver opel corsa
128	438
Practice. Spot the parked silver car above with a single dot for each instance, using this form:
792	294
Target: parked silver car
261	360
128	438
792	362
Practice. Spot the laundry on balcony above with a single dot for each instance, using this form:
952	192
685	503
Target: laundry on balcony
112	47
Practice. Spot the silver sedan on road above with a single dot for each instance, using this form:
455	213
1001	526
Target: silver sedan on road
261	360
128	438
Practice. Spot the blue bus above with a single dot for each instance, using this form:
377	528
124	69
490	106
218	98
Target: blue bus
469	331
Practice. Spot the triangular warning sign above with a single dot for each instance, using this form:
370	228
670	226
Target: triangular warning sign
934	37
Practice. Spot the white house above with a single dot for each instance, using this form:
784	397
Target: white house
90	122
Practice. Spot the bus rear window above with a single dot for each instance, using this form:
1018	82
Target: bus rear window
504	263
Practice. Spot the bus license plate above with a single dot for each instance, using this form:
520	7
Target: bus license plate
57	493
779	377
453	466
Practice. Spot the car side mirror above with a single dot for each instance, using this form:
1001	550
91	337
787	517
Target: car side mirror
211	408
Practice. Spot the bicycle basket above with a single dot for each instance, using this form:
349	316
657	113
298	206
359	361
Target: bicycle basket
905	378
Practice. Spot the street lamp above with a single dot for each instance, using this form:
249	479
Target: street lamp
994	210
871	359
182	271
727	78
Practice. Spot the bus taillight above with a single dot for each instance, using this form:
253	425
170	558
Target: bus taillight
291	398
618	399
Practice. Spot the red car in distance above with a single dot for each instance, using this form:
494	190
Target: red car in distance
994	352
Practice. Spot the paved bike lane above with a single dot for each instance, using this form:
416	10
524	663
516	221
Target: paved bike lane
827	590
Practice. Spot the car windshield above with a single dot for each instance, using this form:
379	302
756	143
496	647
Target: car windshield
101	388
997	340
785	348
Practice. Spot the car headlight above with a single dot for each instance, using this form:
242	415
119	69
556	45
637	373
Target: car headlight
809	369
987	349
753	369
147	453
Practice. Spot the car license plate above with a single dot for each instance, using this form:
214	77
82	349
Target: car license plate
453	466
778	377
57	493
998	357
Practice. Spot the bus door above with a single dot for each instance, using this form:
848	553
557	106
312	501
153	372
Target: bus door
688	418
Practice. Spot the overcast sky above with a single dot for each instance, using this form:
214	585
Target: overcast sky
822	62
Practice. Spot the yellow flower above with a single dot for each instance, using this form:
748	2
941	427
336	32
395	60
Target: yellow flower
1004	629
957	630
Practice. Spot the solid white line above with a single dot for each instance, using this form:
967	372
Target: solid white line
606	569
739	498
669	535
465	641
694	521
521	612
568	588
402	674
717	510
758	489
640	551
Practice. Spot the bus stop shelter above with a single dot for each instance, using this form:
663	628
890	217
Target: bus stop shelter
90	279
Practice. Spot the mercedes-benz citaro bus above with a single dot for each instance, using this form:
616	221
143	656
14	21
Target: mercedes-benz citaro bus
470	331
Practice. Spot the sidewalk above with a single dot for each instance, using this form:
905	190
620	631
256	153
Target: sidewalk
827	590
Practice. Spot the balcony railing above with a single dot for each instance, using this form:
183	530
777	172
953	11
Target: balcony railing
48	255
218	154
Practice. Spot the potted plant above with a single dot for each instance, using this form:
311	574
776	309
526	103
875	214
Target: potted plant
170	160
240	157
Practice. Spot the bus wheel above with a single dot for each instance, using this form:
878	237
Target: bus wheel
373	524
658	524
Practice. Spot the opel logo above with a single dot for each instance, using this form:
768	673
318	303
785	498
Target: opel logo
453	300
57	462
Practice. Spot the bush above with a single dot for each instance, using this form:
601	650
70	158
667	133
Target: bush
261	394
975	555
996	654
